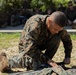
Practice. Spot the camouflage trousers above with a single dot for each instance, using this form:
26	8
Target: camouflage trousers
23	60
48	71
26	62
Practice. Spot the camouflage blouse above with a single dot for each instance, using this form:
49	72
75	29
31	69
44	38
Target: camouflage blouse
35	33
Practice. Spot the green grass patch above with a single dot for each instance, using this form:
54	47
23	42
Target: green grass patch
12	39
73	36
8	40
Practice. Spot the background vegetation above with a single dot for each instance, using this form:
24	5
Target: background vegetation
6	5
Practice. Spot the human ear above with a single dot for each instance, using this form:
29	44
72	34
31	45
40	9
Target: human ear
49	21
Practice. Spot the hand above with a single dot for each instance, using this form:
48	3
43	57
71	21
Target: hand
67	60
52	63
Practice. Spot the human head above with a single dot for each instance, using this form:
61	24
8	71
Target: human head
60	5
49	11
70	5
56	21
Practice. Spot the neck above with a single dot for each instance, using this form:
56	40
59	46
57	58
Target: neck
47	21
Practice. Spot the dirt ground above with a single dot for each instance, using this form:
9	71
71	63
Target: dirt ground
59	56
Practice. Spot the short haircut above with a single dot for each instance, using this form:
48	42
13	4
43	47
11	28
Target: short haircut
59	18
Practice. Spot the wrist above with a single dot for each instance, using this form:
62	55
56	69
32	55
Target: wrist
52	63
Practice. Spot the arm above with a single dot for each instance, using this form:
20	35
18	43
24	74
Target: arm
29	45
67	42
28	41
28	38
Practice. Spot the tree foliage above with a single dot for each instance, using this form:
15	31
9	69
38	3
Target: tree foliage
45	4
7	5
40	4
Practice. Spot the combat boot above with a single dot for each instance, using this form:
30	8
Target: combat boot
4	65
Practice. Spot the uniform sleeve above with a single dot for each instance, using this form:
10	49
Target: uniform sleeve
28	42
67	42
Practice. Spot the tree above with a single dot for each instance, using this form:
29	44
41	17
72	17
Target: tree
41	4
45	4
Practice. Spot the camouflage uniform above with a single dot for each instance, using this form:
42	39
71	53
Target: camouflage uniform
34	39
48	71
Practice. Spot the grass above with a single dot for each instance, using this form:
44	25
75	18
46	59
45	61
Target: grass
8	39
73	36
